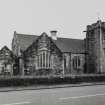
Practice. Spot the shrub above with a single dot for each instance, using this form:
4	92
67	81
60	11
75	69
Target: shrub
49	80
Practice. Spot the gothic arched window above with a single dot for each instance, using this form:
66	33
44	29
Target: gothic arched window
76	62
43	60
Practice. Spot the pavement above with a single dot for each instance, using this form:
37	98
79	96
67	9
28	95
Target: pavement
82	95
38	87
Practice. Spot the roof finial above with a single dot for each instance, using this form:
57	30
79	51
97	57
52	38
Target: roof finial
98	16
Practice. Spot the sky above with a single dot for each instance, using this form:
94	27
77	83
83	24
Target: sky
68	17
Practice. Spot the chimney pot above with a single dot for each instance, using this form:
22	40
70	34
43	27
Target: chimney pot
54	34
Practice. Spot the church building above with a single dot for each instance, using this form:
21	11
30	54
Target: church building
52	55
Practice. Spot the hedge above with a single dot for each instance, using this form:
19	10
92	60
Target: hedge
49	80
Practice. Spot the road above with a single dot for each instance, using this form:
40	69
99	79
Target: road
86	95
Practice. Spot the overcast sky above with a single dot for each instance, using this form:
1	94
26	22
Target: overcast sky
68	17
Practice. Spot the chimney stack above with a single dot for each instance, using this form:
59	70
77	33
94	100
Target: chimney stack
53	34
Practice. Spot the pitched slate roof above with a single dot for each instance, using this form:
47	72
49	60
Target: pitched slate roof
25	40
64	44
70	45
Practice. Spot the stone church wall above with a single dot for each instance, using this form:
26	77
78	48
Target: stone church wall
80	67
67	63
56	64
94	45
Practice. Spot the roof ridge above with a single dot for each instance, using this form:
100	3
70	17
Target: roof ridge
49	36
69	38
26	34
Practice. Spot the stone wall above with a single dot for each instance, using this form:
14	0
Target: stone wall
67	63
80	68
15	45
94	45
56	64
33	56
